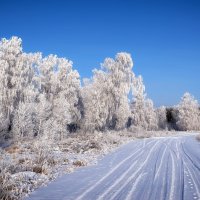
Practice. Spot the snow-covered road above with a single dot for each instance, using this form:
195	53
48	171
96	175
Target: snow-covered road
158	169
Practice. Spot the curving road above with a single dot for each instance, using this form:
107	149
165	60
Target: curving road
149	169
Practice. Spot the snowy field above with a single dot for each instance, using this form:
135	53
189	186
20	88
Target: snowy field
154	168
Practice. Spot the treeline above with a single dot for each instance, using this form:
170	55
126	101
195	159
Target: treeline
43	97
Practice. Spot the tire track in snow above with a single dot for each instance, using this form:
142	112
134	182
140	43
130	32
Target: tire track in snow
119	179
161	163
172	188
158	178
131	192
163	193
135	173
129	196
183	177
145	142
115	156
177	149
151	168
180	168
167	179
111	172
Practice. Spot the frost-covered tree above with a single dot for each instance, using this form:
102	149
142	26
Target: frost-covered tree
188	113
95	103
137	106
23	125
16	76
120	76
105	96
60	89
143	113
43	110
42	96
150	115
36	93
24	116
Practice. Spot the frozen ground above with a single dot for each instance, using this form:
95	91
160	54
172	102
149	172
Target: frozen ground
154	168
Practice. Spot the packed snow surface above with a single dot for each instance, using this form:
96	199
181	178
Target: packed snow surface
155	168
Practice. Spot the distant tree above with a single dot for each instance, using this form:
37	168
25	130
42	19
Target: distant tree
188	113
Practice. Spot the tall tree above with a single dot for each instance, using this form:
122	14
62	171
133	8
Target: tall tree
105	96
16	77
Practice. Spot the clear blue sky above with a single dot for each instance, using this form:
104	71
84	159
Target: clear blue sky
163	37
